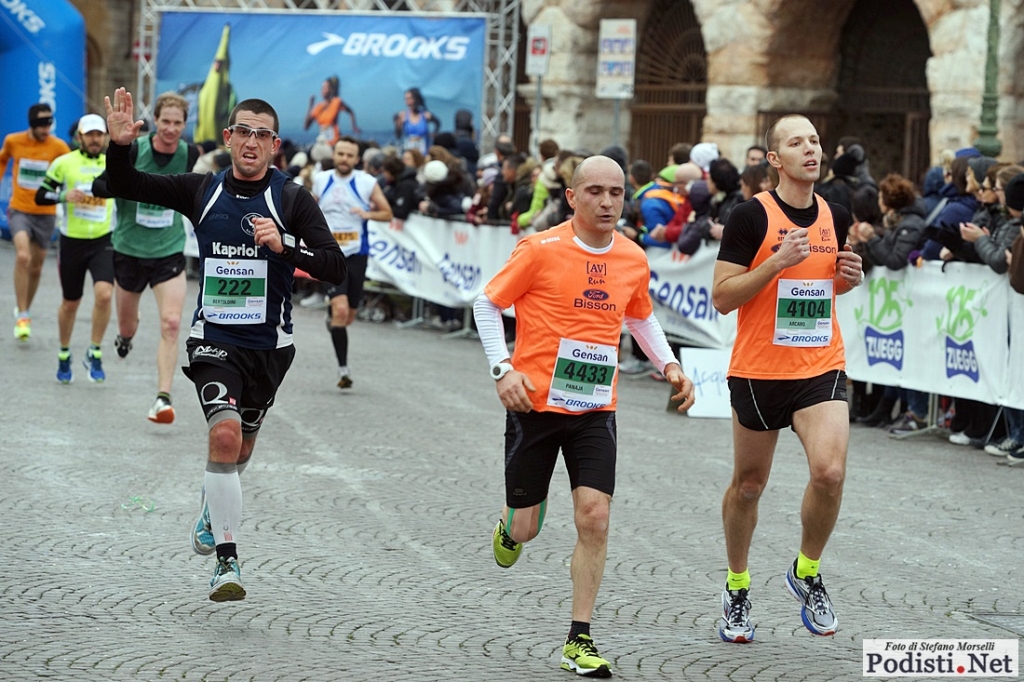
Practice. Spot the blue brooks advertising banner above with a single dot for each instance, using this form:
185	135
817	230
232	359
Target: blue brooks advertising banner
42	59
326	68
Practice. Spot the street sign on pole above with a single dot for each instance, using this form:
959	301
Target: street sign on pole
538	50
538	42
616	58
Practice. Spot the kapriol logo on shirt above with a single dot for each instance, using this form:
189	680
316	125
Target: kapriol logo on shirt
964	306
882	318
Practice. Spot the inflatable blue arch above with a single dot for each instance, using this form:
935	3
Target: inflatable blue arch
42	59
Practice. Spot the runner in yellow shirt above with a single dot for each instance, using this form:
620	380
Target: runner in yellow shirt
85	244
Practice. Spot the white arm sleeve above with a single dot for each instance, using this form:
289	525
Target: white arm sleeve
649	334
490	329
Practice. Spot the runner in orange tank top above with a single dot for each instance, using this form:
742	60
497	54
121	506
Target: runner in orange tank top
572	287
783	261
31	226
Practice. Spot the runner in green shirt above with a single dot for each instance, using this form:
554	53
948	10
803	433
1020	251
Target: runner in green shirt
148	245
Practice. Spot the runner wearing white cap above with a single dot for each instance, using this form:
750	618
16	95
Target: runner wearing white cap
85	244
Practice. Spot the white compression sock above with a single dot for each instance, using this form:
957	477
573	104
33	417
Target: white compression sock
224	497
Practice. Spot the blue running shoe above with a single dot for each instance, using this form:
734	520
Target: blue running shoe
94	363
64	369
201	535
226	584
816	612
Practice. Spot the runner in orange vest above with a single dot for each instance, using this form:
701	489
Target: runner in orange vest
783	260
31	225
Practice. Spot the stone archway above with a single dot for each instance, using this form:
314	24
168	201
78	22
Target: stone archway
671	81
882	87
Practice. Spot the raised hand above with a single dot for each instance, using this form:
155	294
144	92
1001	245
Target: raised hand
120	124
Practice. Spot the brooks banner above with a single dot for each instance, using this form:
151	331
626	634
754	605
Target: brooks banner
444	262
324	73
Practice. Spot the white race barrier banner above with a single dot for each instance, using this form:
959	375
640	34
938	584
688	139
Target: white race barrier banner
441	261
1015	374
708	369
681	292
934	330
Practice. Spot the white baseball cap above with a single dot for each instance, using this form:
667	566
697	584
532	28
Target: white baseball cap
92	122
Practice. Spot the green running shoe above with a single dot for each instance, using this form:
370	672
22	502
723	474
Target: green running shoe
580	655
506	550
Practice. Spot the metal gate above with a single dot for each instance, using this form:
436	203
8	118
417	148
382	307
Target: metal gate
671	82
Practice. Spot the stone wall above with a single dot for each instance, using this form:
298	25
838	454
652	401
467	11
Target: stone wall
110	30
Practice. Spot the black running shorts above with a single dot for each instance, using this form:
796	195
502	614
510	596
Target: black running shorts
134	274
532	441
79	256
353	284
241	380
768	405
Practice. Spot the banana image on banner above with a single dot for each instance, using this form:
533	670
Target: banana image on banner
217	96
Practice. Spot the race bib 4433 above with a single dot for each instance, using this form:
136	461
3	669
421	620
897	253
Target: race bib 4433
583	377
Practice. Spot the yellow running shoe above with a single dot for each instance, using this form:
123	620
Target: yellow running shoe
23	328
580	655
506	550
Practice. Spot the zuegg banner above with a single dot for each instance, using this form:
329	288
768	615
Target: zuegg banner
935	329
324	73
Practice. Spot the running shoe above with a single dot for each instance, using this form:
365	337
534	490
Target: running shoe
23	328
64	369
94	363
1003	448
735	625
344	381
161	412
506	550
1015	458
123	346
226	584
316	300
633	366
201	536
580	656
959	438
908	423
816	613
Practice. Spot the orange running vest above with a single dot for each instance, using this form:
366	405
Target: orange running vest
757	353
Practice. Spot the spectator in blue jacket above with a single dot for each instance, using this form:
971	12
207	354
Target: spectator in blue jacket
959	208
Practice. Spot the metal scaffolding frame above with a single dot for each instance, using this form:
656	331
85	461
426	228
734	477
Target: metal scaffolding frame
501	49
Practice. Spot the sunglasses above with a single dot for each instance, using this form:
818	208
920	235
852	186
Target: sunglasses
262	134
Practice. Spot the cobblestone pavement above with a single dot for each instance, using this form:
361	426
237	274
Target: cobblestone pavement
366	540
